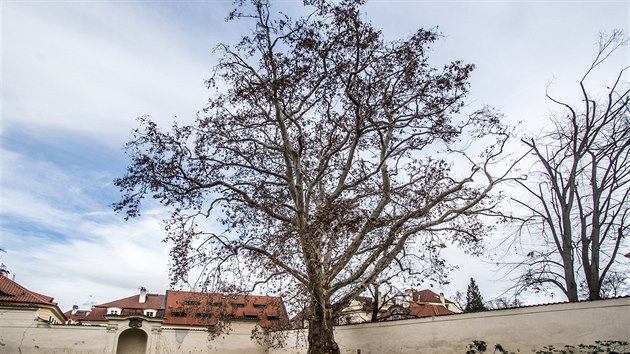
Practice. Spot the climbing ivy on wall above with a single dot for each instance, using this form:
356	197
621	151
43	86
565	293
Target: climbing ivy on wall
600	347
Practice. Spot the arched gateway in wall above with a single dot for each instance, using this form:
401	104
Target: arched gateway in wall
132	341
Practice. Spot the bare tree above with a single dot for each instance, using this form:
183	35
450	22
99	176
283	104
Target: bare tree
316	158
406	272
581	190
460	299
616	283
383	293
503	303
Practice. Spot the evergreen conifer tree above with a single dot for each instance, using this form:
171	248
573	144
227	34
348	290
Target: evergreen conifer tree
474	300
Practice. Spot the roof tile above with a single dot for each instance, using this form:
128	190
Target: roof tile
11	291
204	309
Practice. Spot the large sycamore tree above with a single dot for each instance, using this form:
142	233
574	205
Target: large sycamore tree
580	214
317	162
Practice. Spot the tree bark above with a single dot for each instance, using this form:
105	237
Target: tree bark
375	304
571	284
321	337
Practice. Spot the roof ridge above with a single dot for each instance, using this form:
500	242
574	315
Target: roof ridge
6	283
111	303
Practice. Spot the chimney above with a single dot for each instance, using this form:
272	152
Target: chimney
75	308
143	295
408	297
442	300
4	271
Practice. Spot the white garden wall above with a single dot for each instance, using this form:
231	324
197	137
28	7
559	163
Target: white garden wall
523	329
21	332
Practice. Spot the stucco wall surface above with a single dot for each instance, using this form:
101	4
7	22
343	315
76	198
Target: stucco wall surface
519	330
196	341
21	332
523	329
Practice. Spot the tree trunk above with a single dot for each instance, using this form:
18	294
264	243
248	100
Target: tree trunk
572	292
321	338
592	279
566	252
569	277
375	304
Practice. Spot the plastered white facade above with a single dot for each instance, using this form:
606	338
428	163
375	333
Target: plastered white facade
22	332
518	330
522	329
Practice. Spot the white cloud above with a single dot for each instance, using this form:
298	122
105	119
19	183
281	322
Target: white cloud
76	72
64	242
518	47
110	261
93	68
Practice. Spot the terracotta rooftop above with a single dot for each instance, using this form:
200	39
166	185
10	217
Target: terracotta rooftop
365	301
186	308
204	309
428	310
77	316
427	295
11	291
415	310
153	301
130	306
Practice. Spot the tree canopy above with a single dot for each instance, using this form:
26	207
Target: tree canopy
324	156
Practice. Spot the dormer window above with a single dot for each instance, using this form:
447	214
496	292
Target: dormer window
114	311
149	313
178	313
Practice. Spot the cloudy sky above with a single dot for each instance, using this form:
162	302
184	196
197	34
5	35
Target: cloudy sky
76	74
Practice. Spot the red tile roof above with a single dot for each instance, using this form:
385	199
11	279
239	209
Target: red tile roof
415	310
130	306
11	291
365	301
428	310
77	316
187	308
96	314
204	309
427	295
153	301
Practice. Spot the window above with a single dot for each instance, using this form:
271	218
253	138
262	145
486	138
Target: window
149	313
